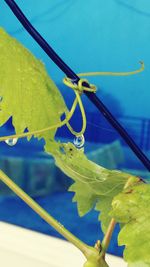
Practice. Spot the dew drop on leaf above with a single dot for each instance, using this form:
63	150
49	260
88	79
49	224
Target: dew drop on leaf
11	141
79	141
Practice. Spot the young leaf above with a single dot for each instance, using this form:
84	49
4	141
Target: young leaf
76	165
27	92
86	200
84	197
132	208
104	206
93	183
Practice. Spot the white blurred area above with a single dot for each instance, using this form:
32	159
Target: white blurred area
20	247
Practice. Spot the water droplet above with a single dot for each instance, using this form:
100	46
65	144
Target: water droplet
79	141
11	141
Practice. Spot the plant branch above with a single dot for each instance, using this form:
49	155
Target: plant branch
107	237
84	248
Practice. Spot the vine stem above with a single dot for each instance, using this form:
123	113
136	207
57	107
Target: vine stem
84	248
107	237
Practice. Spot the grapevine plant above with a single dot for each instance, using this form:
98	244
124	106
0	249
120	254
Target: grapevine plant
36	106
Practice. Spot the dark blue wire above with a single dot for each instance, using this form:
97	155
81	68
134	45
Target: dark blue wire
69	73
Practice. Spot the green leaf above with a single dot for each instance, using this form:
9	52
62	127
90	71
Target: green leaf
104	206
84	196
93	183
86	200
132	208
76	165
28	94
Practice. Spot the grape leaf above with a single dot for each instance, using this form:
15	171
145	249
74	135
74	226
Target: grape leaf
132	208
104	206
94	185
76	165
86	200
27	92
84	196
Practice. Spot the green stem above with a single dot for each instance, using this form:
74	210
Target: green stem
84	248
107	237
